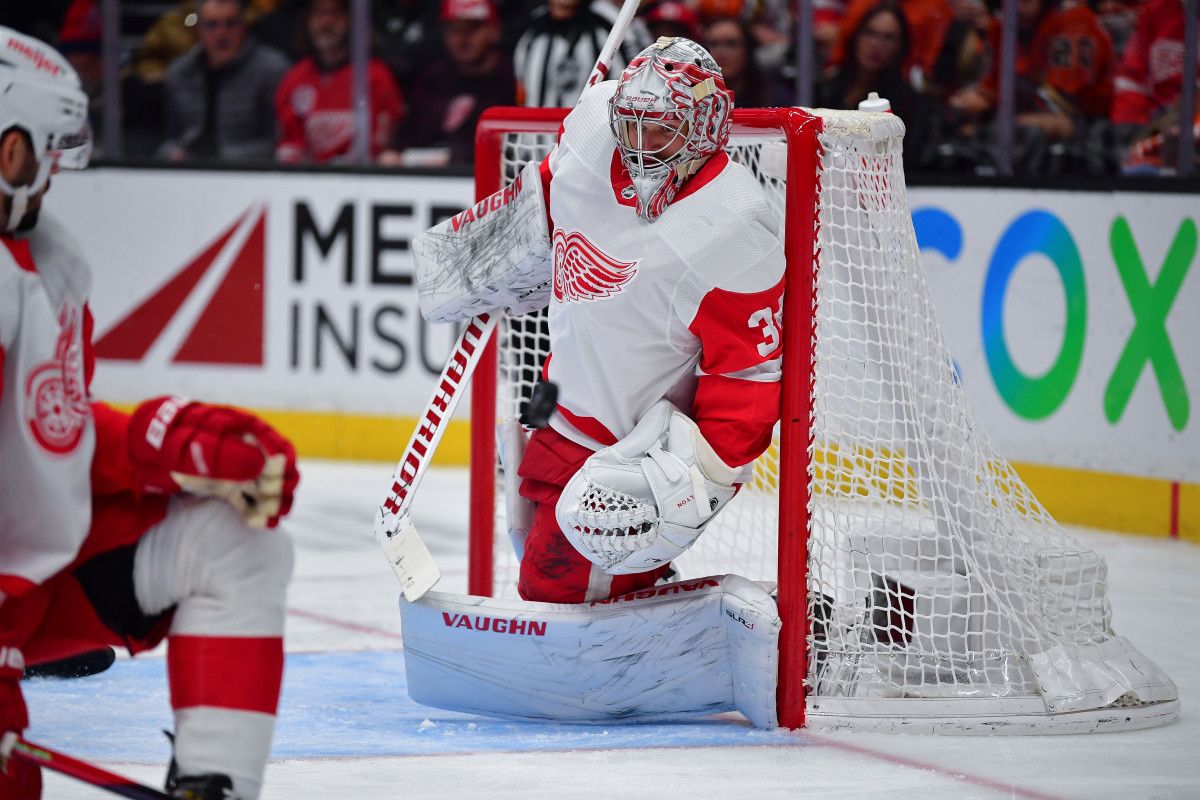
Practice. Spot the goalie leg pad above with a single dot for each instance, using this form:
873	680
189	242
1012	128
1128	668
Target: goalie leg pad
675	651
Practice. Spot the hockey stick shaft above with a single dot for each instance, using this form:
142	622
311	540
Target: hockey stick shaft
613	42
85	772
402	545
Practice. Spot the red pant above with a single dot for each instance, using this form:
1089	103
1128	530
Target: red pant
553	571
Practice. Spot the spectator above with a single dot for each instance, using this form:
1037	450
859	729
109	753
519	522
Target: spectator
672	18
450	95
1072	64
407	38
732	44
963	59
827	22
773	26
1150	77
1118	18
927	22
769	20
315	102
555	55
218	94
175	33
1064	67
79	41
876	53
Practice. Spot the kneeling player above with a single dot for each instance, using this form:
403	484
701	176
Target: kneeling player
123	530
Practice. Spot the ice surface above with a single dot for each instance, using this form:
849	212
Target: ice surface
348	730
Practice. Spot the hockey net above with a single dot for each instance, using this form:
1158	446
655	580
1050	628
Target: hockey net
922	585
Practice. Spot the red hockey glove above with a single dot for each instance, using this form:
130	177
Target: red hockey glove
214	451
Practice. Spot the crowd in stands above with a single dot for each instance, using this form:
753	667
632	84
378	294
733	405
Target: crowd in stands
1098	82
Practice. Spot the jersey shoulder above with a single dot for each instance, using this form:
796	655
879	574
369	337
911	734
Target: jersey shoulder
727	233
60	262
586	131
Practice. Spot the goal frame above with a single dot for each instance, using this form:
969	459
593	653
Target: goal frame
800	130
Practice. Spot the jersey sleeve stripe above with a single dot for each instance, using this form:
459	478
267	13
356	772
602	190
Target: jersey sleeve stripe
761	373
589	426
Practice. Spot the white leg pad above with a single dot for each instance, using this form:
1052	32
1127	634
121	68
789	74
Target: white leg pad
226	579
679	650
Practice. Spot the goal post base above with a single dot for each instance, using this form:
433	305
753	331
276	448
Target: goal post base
970	717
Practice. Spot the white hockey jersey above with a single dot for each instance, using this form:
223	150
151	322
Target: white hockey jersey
687	307
47	436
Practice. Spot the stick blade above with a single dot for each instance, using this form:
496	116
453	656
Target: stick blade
409	557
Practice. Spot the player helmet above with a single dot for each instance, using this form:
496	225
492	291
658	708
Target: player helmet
670	114
40	94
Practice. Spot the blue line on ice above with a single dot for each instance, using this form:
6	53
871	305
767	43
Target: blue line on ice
334	704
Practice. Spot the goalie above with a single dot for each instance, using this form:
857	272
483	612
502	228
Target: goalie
665	304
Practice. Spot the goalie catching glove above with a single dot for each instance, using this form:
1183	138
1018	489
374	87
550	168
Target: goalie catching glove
645	500
494	255
214	451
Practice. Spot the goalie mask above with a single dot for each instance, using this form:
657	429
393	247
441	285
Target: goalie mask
670	114
40	95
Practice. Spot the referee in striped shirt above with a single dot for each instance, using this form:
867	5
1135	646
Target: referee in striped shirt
556	53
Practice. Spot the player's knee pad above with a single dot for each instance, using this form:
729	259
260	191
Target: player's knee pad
223	576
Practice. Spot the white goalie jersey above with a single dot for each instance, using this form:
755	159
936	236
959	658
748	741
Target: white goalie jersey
687	308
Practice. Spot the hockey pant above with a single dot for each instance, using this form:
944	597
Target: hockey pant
552	571
214	588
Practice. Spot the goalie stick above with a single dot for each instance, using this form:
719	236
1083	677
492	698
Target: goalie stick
402	544
83	771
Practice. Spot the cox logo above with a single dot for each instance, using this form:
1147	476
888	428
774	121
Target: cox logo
1041	232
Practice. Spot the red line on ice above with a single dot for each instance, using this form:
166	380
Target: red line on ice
948	772
343	623
802	740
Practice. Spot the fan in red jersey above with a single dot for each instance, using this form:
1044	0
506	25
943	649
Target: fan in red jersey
115	529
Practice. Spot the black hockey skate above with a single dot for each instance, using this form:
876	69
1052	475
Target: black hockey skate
81	666
198	787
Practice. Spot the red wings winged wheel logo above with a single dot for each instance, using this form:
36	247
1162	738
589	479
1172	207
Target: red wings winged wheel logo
584	272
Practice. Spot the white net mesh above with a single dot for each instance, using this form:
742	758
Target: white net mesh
933	571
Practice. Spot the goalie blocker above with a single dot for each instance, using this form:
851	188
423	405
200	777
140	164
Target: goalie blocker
678	650
495	255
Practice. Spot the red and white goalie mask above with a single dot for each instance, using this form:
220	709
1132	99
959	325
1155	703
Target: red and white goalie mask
670	114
